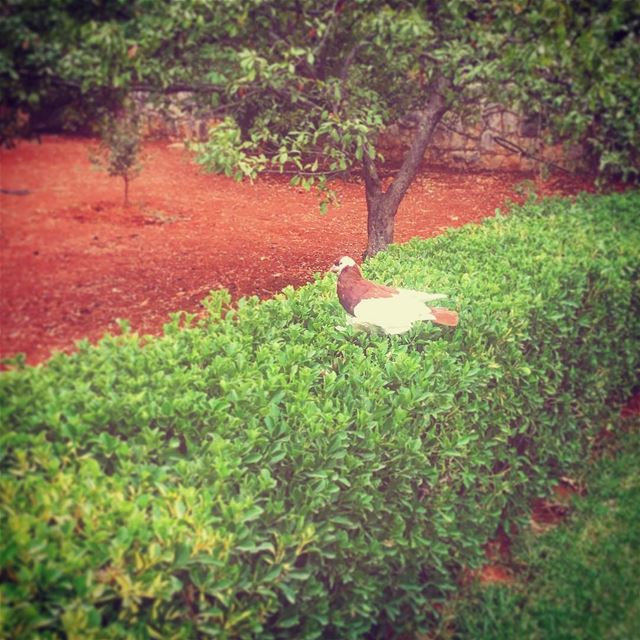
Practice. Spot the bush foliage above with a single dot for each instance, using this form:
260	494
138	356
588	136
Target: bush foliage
261	474
581	579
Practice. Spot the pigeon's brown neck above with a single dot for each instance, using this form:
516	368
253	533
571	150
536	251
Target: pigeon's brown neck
353	288
348	289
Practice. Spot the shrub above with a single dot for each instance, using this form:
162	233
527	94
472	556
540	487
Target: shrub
118	152
580	579
260	474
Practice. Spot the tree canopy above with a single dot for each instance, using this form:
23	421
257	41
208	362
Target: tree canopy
306	85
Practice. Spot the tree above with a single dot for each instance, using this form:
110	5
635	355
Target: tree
306	86
119	150
67	62
313	94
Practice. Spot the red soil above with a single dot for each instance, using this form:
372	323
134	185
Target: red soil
632	408
73	260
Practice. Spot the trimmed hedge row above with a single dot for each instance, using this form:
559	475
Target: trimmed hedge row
261	474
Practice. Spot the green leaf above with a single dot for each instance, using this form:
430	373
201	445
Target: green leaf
252	513
273	573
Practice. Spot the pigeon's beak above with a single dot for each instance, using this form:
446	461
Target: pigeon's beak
335	268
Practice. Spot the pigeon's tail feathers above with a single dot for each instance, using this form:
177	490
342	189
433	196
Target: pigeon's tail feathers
445	316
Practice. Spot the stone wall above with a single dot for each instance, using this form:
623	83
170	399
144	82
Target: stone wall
496	138
178	118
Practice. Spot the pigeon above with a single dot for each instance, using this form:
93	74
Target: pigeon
372	306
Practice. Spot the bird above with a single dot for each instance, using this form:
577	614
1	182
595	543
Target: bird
374	307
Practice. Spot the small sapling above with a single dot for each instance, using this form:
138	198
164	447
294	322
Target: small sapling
118	152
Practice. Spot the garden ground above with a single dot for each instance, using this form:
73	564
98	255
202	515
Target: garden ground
74	260
578	580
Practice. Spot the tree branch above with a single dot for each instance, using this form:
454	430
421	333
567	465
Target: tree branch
464	134
435	107
516	148
143	86
295	172
320	51
178	87
348	61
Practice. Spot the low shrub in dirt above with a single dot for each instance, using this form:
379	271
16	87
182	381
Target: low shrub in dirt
118	152
261	474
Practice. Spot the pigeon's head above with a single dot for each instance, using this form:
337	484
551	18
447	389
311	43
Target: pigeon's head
341	264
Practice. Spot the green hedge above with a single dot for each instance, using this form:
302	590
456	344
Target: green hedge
261	474
578	580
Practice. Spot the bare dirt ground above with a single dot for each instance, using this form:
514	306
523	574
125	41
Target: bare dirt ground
73	260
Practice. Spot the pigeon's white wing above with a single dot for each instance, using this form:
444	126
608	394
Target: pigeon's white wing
421	295
393	315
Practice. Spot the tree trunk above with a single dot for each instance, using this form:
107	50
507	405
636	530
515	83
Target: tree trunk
382	206
125	177
381	220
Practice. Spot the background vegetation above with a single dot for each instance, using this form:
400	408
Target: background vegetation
306	85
